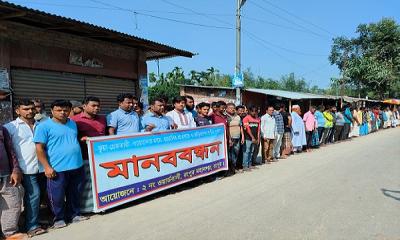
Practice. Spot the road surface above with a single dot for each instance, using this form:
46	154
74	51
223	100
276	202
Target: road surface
349	190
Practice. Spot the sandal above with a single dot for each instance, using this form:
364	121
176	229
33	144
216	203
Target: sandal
36	231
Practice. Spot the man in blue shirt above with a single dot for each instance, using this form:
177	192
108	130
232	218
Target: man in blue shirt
155	121
59	153
348	119
320	121
124	120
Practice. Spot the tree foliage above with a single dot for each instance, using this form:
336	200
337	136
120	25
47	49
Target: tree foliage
370	61
167	85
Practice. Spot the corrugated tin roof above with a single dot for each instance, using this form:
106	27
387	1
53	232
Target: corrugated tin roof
28	16
290	95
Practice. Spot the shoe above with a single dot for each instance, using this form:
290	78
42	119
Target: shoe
79	219
17	236
59	224
246	170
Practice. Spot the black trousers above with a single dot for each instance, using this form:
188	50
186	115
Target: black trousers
320	132
309	139
346	131
338	133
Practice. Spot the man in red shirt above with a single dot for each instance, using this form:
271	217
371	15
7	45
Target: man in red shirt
218	116
251	124
89	124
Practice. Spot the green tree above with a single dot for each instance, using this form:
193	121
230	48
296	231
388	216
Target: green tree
291	83
370	61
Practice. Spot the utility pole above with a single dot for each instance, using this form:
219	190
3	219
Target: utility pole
240	3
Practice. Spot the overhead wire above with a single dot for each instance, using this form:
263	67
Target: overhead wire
112	8
162	18
272	23
267	42
250	35
298	17
290	21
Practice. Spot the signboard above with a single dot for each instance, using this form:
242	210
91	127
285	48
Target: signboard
125	168
237	80
4	80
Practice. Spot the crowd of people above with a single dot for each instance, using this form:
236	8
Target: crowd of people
44	160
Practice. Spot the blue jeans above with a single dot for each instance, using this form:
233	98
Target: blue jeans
234	153
250	152
31	200
65	191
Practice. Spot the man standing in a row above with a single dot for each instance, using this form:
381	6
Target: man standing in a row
348	119
124	120
155	120
90	124
268	132
10	191
59	153
298	129
182	118
310	123
21	132
287	145
236	134
251	124
280	130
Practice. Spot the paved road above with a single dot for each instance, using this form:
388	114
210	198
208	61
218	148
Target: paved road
343	191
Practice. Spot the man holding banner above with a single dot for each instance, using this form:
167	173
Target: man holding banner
124	120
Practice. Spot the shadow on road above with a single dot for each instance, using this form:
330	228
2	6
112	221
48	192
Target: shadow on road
392	194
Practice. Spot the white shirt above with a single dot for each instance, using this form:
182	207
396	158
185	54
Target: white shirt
268	127
22	139
182	120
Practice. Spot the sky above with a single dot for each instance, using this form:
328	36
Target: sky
278	37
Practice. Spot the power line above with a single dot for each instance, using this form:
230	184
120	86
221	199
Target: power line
195	12
267	42
113	8
290	21
271	23
295	16
283	48
183	22
162	18
262	43
251	35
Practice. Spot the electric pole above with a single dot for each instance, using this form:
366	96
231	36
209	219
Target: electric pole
238	70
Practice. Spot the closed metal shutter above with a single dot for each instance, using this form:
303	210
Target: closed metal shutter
107	90
49	86
46	85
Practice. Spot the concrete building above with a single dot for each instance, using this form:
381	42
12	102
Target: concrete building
53	57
